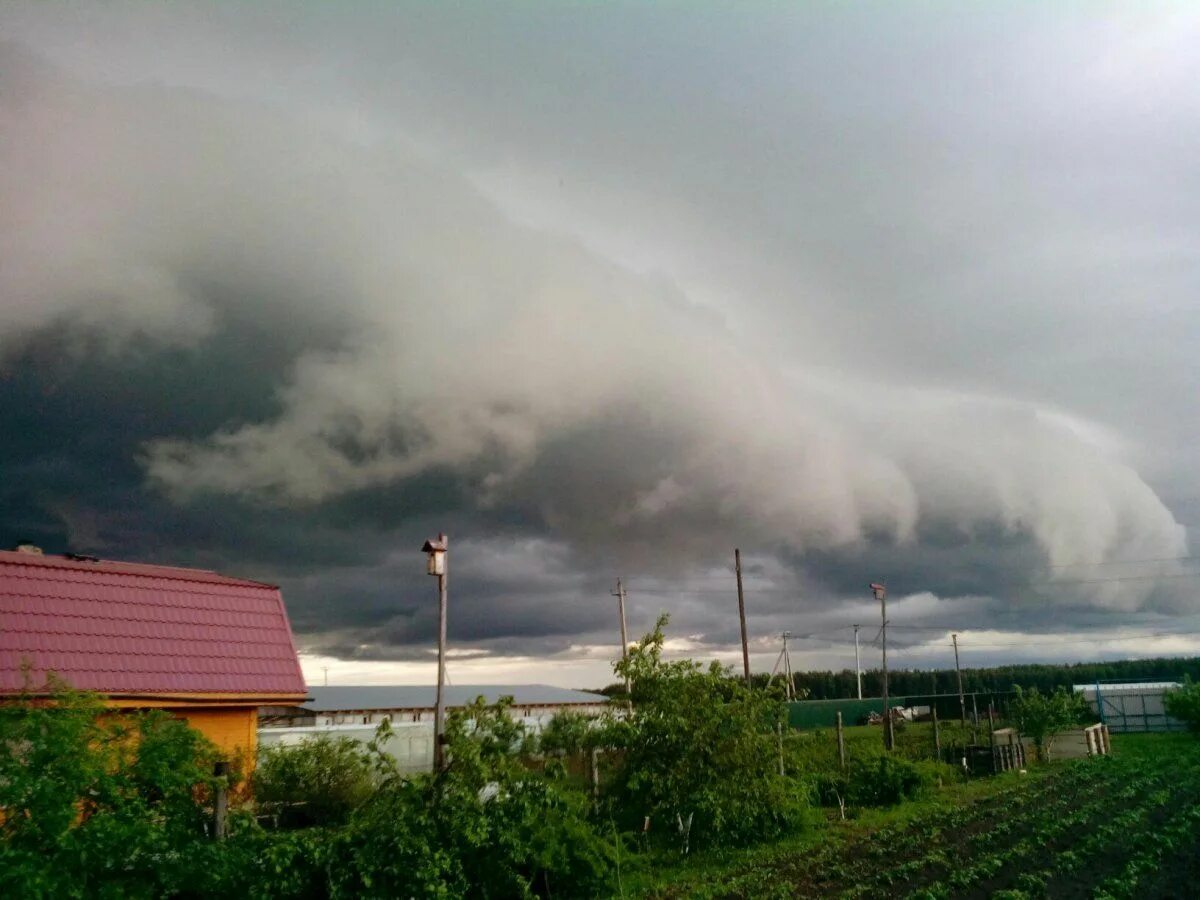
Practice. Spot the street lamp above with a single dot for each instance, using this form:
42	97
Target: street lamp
436	565
880	593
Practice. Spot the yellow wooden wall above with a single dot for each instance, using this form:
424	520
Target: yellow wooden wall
232	729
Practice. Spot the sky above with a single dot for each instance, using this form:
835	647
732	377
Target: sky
873	292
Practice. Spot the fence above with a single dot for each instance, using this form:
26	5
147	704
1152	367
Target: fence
1126	706
804	714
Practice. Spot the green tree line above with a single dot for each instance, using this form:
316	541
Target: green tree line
829	685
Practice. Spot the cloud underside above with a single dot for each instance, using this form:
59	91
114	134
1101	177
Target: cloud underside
289	350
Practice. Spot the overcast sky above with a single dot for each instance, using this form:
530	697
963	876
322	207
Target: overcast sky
898	292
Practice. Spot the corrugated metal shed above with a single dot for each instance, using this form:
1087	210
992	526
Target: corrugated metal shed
131	629
422	696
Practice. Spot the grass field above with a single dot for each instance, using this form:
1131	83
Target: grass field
1122	827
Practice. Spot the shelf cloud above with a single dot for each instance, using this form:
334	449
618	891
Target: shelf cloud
286	326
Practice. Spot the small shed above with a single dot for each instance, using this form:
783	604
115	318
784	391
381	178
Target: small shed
209	648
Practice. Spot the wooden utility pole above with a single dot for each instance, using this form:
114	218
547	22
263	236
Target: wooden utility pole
619	593
737	567
787	667
784	659
881	595
962	701
857	663
439	714
437	564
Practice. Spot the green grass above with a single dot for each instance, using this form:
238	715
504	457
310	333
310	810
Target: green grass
691	877
1061	823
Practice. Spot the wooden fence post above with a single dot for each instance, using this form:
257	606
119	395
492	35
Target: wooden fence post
841	739
779	730
937	736
220	801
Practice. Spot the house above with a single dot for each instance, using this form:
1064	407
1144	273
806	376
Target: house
209	648
355	711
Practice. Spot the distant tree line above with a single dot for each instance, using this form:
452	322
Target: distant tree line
918	682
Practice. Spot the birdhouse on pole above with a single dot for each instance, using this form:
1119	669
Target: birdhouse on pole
436	564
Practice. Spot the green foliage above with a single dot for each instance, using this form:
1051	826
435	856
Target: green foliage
996	680
1183	703
486	826
568	733
92	803
873	776
320	781
1041	716
700	747
888	780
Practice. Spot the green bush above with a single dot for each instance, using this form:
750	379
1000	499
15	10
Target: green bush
1183	703
888	780
92	803
320	781
699	747
1041	716
568	732
882	780
486	826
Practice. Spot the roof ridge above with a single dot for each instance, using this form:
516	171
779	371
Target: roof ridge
106	566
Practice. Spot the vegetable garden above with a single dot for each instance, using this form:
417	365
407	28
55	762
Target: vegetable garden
1120	827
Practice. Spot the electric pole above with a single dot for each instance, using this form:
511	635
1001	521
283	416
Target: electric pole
857	663
737	567
787	667
962	700
784	659
880	593
437	566
619	593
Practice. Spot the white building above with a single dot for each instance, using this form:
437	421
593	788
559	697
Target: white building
356	710
409	703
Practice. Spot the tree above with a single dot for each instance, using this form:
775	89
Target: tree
700	753
95	803
486	826
568	732
1042	716
1184	704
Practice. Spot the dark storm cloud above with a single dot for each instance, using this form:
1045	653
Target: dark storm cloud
869	299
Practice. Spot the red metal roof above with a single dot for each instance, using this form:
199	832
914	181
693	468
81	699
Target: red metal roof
129	628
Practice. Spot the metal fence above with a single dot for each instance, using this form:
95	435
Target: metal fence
804	714
1131	707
